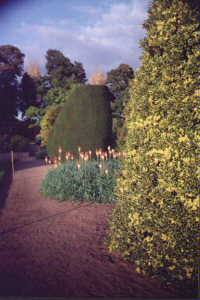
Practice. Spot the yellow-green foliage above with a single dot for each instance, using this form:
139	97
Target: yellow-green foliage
155	224
47	122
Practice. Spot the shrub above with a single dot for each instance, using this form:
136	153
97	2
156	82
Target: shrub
47	122
41	154
4	143
19	143
85	120
156	222
1	175
87	183
5	166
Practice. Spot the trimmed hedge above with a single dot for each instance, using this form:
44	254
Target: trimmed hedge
85	120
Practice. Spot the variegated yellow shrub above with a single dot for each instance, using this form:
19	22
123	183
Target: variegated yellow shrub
156	221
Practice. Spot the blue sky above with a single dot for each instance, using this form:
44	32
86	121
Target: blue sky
101	34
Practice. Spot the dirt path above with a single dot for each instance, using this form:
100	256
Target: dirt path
53	249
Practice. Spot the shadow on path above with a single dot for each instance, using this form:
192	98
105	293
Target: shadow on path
21	165
4	187
7	179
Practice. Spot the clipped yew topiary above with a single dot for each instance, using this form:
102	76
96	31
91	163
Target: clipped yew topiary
85	121
156	222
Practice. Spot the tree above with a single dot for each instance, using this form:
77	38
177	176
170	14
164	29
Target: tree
34	70
61	71
35	114
79	73
59	68
47	122
11	68
118	79
34	88
58	95
98	78
155	224
55	96
28	93
11	64
119	114
43	85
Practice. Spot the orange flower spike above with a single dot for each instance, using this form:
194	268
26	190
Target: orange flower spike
78	165
60	150
86	157
46	159
79	149
59	158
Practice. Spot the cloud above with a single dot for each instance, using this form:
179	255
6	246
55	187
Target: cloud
87	10
112	39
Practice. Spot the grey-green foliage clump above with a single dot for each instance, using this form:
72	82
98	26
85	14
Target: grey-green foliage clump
87	183
85	121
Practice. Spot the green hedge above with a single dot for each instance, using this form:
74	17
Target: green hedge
85	121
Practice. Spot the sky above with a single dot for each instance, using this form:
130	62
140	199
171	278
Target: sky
101	34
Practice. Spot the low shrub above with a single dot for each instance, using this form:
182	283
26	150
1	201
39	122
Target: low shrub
5	166
19	143
1	175
4	143
41	154
83	181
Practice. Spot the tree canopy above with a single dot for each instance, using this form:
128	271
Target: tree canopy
11	68
28	95
61	71
98	78
118	79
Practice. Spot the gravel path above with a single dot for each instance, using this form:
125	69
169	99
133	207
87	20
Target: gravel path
54	249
